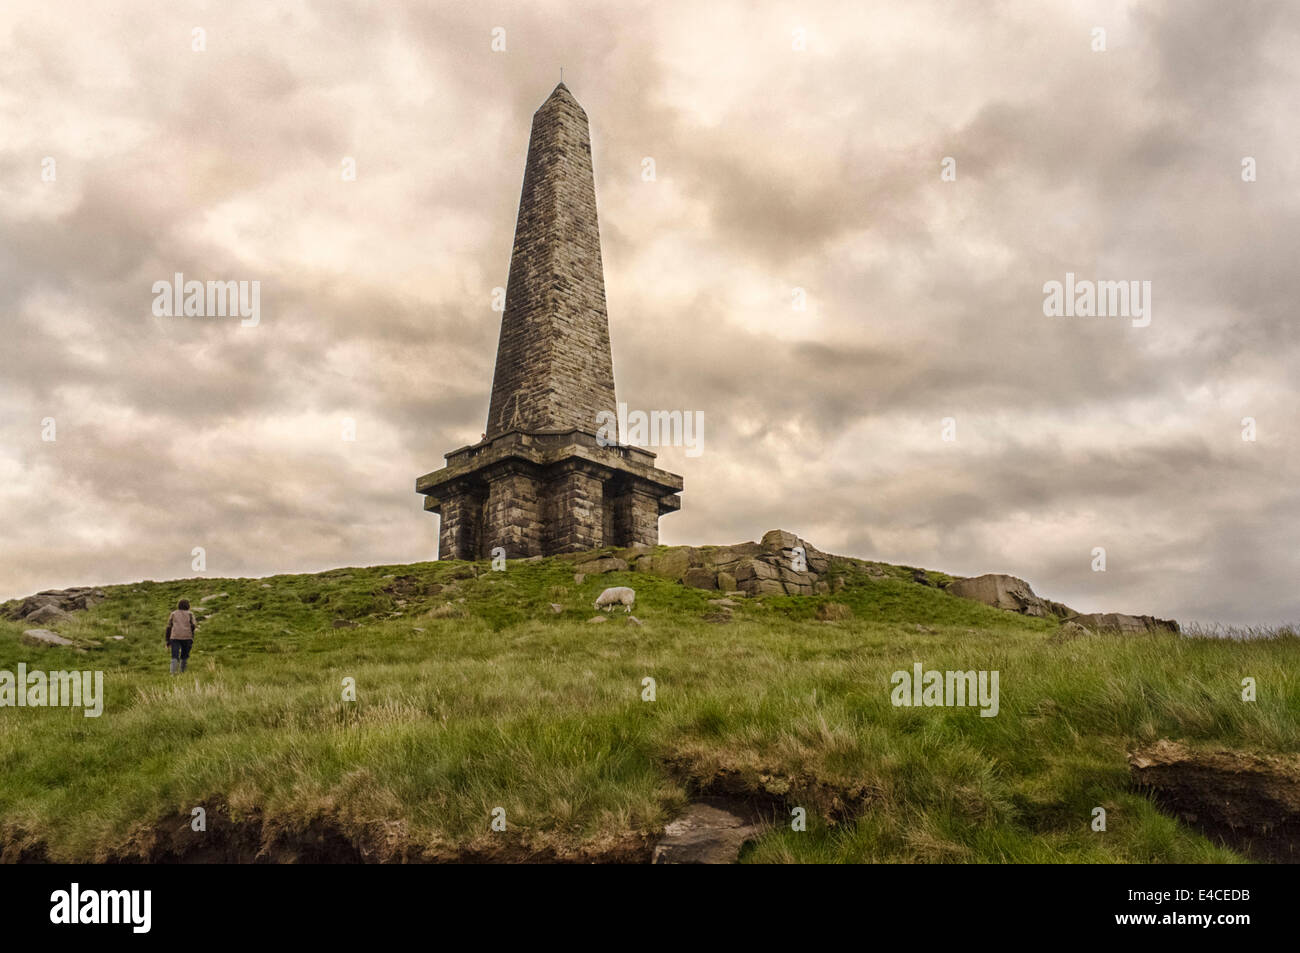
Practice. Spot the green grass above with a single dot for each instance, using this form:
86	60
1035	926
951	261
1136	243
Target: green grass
479	696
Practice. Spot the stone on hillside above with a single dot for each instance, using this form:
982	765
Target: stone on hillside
345	624
68	600
217	595
266	585
597	619
921	578
578	577
603	564
725	603
44	637
46	613
700	578
1069	630
777	540
747	568
705	834
1001	592
671	565
725	557
633	620
46	598
557	609
1125	624
756	569
782	544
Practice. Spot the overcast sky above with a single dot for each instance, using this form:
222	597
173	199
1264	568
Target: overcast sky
776	168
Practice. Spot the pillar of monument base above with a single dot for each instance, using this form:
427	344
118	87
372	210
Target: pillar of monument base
460	526
575	511
636	518
512	516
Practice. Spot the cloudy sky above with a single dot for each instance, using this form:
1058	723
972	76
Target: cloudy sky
776	168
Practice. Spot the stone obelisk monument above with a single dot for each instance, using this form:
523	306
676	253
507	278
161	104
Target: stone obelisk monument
540	483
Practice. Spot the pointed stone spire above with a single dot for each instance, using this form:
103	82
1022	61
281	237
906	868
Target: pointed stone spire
542	482
554	371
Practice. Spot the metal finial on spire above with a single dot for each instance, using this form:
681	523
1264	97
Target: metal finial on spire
561	74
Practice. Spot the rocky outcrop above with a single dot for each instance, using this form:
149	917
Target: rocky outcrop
1249	800
45	637
53	605
1006	592
1125	624
772	566
1068	632
698	577
1013	594
601	564
46	614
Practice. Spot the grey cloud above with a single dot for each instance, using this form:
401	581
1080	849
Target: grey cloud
927	296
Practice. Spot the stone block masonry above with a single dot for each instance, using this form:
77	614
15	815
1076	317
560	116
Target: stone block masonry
554	369
540	483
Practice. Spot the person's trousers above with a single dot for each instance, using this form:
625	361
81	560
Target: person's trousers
181	650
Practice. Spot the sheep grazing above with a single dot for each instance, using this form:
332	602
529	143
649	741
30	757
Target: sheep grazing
617	596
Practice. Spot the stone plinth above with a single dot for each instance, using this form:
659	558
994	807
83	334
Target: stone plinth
545	494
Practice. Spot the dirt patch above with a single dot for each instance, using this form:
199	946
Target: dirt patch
772	794
250	839
1249	802
629	849
19	847
244	840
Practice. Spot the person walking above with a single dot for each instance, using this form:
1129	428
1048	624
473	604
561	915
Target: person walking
180	634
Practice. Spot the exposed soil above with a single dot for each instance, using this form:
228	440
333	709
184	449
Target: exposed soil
1249	802
250	840
772	794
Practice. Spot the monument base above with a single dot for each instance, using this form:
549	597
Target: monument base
540	494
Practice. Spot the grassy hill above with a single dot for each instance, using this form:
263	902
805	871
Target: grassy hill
473	694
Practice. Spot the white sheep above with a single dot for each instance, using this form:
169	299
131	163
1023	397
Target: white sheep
617	596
